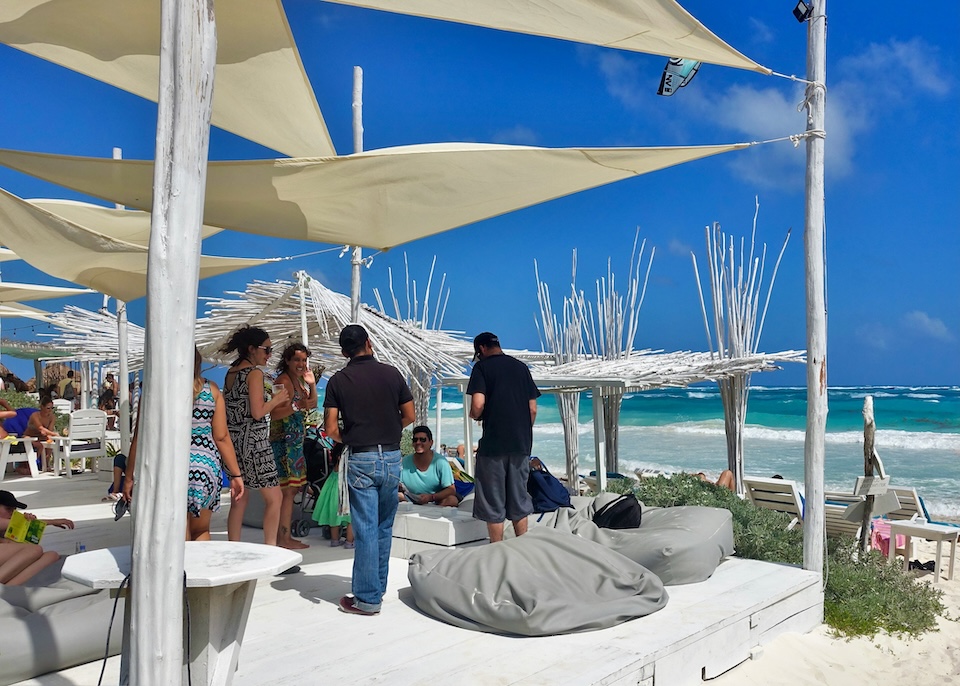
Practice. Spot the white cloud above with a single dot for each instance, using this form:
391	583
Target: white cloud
761	32
874	336
897	70
518	135
678	248
923	324
621	76
863	88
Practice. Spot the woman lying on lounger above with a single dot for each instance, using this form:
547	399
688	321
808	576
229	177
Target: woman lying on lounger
19	562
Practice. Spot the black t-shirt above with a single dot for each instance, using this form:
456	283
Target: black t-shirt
508	389
369	395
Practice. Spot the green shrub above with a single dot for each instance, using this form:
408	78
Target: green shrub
863	593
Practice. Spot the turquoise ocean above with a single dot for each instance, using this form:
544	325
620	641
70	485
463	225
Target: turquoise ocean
681	430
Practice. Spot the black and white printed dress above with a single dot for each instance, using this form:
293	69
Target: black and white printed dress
251	437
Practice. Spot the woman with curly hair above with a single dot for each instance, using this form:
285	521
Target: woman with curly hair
245	395
287	431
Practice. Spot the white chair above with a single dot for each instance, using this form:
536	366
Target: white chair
86	440
781	495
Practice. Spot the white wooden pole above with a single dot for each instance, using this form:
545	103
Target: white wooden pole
357	259
123	378
187	59
302	281
437	437
599	441
813	244
123	372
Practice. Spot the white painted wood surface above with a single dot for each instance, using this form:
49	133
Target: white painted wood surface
295	631
815	259
187	58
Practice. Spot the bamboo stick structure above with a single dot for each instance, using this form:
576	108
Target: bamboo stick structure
564	339
736	283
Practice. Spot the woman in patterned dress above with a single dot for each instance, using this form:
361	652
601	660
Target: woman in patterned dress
287	431
247	408
211	451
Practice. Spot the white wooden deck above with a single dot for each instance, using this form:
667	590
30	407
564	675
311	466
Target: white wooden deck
295	634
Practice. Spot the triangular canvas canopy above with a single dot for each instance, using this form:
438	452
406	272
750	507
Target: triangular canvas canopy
12	292
262	92
74	253
660	27
11	310
132	226
377	199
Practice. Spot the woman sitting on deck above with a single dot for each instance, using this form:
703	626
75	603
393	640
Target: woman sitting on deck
19	562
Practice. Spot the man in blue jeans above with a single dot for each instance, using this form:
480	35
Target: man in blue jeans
374	403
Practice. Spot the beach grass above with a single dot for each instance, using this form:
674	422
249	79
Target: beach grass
863	592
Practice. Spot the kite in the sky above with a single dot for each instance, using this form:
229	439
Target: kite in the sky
677	74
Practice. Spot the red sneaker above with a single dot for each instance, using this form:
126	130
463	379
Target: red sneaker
347	605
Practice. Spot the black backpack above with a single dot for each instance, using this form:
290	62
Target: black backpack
622	513
546	491
68	392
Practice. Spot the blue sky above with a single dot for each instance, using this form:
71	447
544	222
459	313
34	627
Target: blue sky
893	166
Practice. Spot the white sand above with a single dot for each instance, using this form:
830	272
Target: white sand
819	658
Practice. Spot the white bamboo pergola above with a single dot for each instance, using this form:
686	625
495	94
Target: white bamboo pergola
736	286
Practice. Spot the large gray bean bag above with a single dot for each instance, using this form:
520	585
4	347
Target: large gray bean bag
48	628
681	545
546	582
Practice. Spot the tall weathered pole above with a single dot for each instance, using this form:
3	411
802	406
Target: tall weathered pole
123	366
356	260
187	60
815	258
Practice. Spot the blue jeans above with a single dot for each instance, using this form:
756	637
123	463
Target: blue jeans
373	480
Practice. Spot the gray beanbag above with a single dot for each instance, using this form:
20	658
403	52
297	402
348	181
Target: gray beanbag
544	583
681	545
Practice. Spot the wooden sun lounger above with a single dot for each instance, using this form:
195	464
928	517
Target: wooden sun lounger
781	495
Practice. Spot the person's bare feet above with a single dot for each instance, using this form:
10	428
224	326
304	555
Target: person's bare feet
292	544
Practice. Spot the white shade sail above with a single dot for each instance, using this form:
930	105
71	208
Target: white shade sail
132	226
12	310
660	27
376	199
262	92
12	292
74	253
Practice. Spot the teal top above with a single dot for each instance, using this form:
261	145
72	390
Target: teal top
437	477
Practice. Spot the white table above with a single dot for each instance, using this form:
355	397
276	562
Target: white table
221	579
930	532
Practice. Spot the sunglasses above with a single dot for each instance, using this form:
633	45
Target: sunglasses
268	349
420	440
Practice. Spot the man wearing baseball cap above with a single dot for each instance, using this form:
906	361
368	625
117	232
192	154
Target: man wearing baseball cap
375	404
503	397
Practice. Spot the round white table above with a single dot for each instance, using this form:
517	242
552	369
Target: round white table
221	579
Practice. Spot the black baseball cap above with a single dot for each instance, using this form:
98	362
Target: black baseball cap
8	499
486	339
352	339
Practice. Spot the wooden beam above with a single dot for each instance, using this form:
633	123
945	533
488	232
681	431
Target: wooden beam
187	59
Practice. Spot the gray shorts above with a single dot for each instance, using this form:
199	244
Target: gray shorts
501	491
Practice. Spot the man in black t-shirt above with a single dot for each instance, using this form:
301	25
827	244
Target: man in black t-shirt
504	400
375	404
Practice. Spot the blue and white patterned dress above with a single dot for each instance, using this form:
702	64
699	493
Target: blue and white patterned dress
205	484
